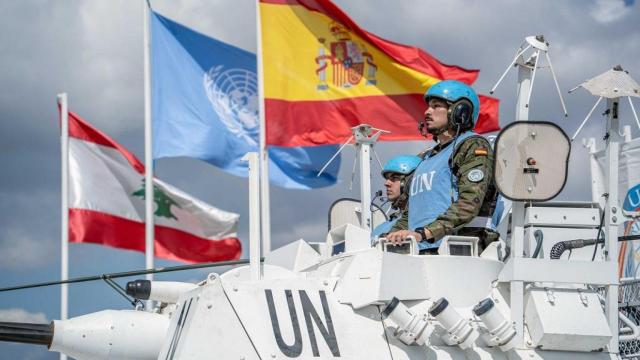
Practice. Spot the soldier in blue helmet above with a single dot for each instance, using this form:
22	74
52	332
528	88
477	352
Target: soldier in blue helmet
397	173
452	190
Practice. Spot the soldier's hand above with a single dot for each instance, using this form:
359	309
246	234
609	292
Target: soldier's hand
397	237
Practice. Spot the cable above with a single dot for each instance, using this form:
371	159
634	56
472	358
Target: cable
539	237
595	246
453	185
131	273
559	248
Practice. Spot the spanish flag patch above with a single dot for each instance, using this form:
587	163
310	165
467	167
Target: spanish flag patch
481	152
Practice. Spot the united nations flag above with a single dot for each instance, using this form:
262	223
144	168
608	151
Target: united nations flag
205	105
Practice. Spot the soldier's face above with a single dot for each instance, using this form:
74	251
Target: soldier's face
392	184
435	116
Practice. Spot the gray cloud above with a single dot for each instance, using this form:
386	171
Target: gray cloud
606	11
22	315
22	251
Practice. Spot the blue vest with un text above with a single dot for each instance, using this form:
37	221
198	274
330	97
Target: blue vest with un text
432	187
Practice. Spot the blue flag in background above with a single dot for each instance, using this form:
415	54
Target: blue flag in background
205	105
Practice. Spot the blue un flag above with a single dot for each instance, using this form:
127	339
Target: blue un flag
205	105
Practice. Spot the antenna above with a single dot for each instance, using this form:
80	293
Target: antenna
365	137
537	45
612	85
526	76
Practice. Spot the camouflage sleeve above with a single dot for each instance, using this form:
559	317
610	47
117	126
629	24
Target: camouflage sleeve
403	221
474	153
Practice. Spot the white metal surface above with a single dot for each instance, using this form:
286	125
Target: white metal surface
558	271
350	238
372	277
169	291
64	206
566	319
570	217
295	256
613	213
365	184
254	214
111	334
612	84
206	326
297	321
148	145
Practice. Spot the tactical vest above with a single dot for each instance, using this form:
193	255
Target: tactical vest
434	188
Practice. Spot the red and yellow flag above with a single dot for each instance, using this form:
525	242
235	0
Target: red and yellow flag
323	75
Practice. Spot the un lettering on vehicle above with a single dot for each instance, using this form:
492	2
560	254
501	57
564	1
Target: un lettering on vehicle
313	320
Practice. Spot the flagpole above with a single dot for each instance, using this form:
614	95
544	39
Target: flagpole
64	238
264	155
148	154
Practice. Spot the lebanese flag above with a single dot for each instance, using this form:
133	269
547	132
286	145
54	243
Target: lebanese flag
324	74
107	206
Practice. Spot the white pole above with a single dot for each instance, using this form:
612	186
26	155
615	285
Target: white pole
254	214
264	155
365	185
613	214
517	213
64	238
148	154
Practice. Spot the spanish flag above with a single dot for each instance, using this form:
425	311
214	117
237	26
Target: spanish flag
323	75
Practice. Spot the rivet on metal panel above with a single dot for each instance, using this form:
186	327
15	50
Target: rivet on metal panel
614	209
273	356
529	343
235	288
614	219
535	216
325	283
209	306
564	217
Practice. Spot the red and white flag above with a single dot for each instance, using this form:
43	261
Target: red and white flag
106	205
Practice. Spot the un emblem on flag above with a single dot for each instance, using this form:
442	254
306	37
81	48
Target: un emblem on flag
233	93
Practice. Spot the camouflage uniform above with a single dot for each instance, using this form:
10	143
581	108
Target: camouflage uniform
474	198
402	206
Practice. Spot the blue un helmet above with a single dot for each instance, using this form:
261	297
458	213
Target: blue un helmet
464	103
402	164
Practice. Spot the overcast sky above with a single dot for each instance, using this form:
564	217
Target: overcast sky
93	51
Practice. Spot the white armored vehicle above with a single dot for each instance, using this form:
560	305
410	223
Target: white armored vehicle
548	289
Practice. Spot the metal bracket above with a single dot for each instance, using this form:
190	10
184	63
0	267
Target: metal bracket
550	297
